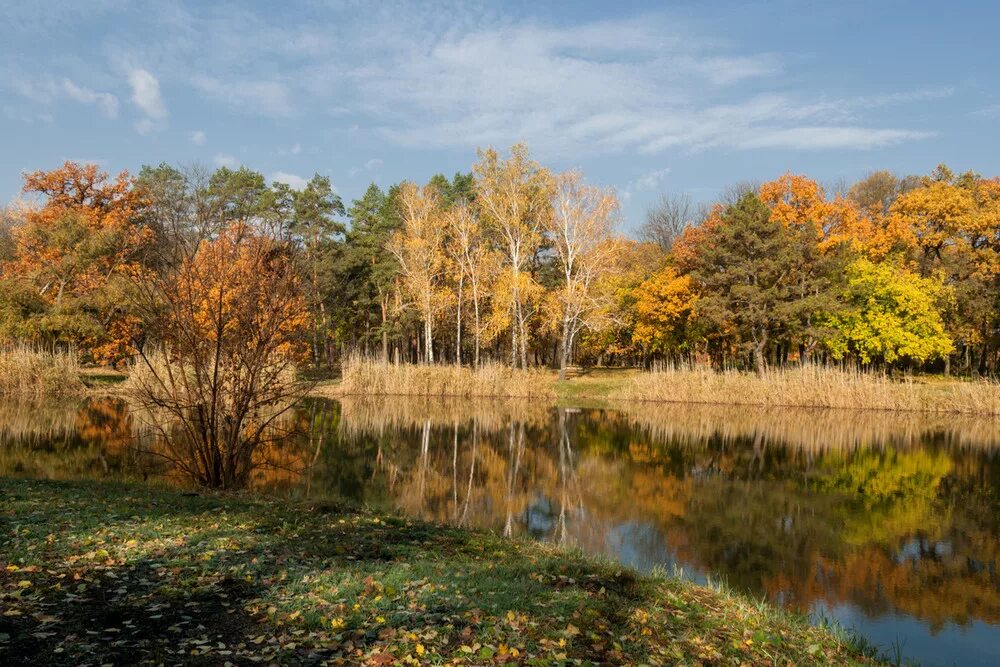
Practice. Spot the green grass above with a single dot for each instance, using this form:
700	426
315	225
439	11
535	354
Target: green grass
99	573
585	385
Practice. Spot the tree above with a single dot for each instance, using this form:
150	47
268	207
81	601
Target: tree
514	198
664	304
667	219
469	251
73	253
418	248
222	336
746	269
366	271
580	230
318	232
891	315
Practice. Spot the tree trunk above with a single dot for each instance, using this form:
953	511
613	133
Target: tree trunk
458	327
385	333
760	362
475	306
564	357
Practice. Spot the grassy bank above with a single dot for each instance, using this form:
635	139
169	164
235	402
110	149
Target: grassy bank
363	376
102	573
26	372
811	386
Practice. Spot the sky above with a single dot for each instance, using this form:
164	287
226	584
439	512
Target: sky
650	98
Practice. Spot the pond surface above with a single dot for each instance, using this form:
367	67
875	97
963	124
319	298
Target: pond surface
886	523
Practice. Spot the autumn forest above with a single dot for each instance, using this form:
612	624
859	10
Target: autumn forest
513	263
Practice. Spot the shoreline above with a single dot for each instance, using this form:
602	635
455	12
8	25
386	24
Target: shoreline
609	388
168	575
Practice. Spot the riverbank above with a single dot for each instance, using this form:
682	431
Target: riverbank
105	573
795	387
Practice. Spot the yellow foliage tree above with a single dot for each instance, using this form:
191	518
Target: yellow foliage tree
663	304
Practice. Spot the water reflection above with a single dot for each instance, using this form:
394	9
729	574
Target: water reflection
887	522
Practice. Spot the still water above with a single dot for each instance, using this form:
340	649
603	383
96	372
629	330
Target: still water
888	524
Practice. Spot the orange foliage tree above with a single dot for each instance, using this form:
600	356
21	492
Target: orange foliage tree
225	333
72	254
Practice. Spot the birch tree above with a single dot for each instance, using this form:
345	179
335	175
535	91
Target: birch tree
514	198
580	230
419	248
474	259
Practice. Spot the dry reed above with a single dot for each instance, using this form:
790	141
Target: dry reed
811	429
27	372
369	377
812	386
381	414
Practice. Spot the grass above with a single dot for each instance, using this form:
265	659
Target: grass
365	376
100	573
27	372
811	386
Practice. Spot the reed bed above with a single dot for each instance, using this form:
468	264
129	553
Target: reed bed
811	429
812	386
365	376
27	372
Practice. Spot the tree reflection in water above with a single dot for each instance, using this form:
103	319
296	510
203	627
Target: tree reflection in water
888	513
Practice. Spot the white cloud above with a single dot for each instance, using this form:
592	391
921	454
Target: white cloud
106	102
146	94
47	91
605	87
296	149
198	138
650	180
267	98
144	126
226	160
296	182
816	138
467	76
369	166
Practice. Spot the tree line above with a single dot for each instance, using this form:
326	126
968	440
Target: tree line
509	262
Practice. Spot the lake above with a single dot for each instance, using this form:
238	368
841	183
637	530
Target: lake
886	523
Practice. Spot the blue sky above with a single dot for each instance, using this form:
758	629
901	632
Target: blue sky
648	97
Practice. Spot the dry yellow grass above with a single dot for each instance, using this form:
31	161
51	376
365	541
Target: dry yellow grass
810	429
811	386
363	415
363	376
30	372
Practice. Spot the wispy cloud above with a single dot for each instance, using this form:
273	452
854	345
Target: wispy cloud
369	166
819	137
198	138
47	91
146	96
462	76
267	98
106	102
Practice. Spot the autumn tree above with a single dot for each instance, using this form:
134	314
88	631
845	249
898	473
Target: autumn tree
475	262
664	305
891	314
514	198
580	229
71	256
419	250
217	368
